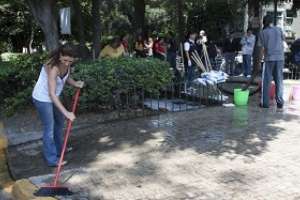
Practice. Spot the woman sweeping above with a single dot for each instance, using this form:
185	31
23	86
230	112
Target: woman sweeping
45	96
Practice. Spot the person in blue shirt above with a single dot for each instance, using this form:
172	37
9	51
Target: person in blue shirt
247	42
270	40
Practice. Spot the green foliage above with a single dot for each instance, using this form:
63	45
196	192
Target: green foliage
102	78
6	57
17	78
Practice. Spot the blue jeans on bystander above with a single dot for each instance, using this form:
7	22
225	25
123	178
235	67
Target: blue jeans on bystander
247	64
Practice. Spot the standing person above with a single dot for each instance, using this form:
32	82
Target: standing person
124	42
229	52
45	97
271	39
212	51
139	47
203	36
247	42
149	46
172	52
159	49
189	47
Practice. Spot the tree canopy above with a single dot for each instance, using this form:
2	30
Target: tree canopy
34	23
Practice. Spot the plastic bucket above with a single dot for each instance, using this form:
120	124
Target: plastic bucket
241	97
296	92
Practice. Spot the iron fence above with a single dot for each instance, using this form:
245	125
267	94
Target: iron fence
137	102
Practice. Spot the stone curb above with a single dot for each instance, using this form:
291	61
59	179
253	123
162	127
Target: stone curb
5	179
23	190
3	139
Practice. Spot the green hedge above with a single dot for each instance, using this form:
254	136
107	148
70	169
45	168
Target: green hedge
102	78
106	76
17	78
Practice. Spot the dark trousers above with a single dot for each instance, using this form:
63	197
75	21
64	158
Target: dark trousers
171	58
190	74
247	64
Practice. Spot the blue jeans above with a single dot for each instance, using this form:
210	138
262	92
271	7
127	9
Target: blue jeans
247	64
275	69
53	124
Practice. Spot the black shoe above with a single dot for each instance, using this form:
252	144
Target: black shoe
279	106
261	106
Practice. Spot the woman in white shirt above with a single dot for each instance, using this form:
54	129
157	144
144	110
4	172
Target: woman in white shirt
45	97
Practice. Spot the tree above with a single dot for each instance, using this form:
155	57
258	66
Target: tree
44	13
96	27
139	15
179	20
80	28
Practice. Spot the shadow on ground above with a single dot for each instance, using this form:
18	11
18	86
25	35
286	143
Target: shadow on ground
215	131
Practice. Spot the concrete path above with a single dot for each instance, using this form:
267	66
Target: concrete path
214	153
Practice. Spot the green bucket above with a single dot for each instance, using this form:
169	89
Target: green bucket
241	97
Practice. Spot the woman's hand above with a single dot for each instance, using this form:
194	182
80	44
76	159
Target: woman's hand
70	116
79	84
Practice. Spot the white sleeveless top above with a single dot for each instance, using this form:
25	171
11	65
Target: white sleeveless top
41	91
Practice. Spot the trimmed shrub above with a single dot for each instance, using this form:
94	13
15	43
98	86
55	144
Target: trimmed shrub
17	78
102	78
105	77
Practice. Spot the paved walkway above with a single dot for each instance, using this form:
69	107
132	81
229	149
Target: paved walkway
214	153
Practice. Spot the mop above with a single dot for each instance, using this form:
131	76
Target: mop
55	189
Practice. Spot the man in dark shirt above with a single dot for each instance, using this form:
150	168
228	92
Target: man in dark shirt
172	52
229	51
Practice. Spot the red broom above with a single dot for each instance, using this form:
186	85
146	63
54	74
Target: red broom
55	189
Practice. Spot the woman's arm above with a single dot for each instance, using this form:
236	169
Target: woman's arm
78	84
52	75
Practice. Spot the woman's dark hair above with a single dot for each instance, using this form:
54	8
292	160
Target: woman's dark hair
63	50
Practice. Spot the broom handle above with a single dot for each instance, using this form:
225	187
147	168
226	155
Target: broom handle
67	134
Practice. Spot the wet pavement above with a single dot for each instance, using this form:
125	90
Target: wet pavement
212	153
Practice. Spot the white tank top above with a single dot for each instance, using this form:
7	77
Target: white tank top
41	91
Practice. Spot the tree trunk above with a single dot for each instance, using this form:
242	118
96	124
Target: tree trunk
139	15
96	28
179	20
44	13
79	22
246	17
31	40
83	51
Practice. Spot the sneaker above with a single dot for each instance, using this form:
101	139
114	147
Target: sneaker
62	164
68	149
